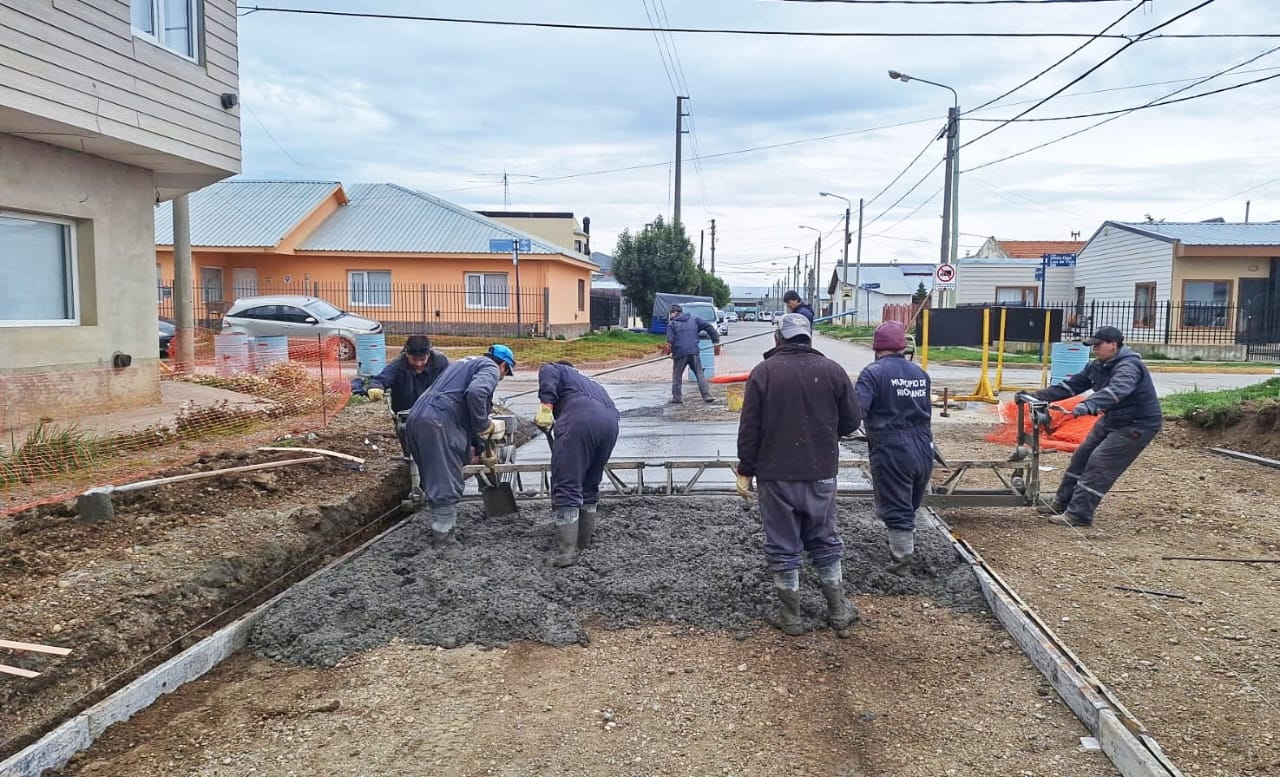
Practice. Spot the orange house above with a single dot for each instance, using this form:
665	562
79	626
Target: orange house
412	261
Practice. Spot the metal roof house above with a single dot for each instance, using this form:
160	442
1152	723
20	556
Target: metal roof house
1008	272
415	262
877	285
103	113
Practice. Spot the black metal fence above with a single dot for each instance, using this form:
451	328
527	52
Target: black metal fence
1176	323
473	309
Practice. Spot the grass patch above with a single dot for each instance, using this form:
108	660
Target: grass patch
854	333
1214	409
958	353
46	450
594	348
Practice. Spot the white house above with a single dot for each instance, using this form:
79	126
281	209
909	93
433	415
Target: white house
1006	272
105	109
878	285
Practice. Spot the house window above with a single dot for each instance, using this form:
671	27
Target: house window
211	284
1144	305
172	24
369	288
1024	296
577	246
37	271
487	290
1204	303
582	294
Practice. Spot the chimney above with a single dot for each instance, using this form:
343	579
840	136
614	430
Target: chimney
586	228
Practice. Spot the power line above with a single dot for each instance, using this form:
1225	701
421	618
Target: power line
689	30
1075	51
661	54
956	2
1091	70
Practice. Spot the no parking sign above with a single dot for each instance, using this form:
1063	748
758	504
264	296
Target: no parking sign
945	276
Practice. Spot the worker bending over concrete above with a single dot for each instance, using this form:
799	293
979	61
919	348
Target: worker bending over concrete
586	429
796	407
450	421
894	396
1126	396
406	378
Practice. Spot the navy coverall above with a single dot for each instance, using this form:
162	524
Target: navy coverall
682	333
1126	396
406	385
805	310
586	430
894	395
445	425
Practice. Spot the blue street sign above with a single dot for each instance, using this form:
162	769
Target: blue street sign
1058	260
1039	273
502	245
870	286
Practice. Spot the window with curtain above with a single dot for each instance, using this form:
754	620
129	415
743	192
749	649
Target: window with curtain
369	288
1204	303
37	271
1144	305
1017	295
487	290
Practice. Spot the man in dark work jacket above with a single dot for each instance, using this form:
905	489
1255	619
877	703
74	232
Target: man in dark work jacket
796	406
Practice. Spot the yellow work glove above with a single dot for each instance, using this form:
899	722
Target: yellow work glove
496	431
376	394
489	458
743	484
544	419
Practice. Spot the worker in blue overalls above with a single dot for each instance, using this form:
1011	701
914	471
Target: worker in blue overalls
586	429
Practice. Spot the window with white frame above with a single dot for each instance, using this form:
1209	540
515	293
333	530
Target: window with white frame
37	271
174	24
487	290
369	288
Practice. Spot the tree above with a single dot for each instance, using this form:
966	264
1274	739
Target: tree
658	259
714	287
920	294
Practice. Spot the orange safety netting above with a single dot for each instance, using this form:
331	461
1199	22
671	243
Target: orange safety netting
1065	431
97	434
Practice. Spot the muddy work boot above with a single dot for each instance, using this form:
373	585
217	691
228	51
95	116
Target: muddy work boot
841	613
902	548
443	521
1067	519
586	526
566	554
787	617
443	539
1051	508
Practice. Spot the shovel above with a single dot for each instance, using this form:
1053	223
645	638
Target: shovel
498	497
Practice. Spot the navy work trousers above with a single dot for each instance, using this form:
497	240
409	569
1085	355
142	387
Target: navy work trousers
585	433
1096	466
901	463
799	516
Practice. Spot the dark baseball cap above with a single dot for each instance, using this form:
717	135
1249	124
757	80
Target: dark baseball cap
1105	334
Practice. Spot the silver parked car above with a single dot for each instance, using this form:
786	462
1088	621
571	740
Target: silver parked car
297	316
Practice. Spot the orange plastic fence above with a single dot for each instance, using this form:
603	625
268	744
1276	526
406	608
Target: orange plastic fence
1065	431
224	401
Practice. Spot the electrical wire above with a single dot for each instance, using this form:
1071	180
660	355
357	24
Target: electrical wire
956	2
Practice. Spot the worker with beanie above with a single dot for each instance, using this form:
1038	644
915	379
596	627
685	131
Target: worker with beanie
586	429
450	421
410	374
894	395
796	407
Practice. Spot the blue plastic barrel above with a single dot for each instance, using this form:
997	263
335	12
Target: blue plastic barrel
707	355
371	354
1066	359
266	351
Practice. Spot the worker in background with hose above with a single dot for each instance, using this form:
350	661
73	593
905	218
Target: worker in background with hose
586	429
407	377
894	395
449	422
1126	396
796	407
682	339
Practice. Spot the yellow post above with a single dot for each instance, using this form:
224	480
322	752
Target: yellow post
983	392
1004	312
1044	357
924	348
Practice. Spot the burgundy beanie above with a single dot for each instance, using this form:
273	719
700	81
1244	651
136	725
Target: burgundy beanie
889	336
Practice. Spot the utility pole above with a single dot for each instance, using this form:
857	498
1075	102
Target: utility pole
950	196
817	267
702	235
713	246
857	274
183	285
680	131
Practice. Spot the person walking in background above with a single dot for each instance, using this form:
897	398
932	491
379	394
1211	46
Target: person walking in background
894	395
796	305
586	429
796	407
683	331
449	422
1125	395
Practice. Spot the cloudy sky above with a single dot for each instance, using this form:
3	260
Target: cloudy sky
447	108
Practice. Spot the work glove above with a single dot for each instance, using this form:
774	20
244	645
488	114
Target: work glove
743	484
376	394
545	418
496	431
1082	409
666	348
717	349
489	457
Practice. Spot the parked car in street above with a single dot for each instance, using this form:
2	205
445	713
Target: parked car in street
749	316
722	323
167	331
730	316
766	315
297	316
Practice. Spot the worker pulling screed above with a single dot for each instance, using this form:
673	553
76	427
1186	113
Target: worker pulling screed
1131	418
449	422
796	406
894	395
682	337
586	429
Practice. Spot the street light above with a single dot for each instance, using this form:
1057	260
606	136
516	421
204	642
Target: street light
817	261
857	273
951	191
793	278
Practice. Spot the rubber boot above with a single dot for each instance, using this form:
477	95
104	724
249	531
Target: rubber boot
443	539
841	613
443	520
566	537
902	547
586	526
787	616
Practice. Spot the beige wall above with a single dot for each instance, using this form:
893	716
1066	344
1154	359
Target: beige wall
1192	268
559	232
111	205
73	73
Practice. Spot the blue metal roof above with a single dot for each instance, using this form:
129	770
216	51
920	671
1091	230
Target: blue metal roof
1208	233
245	213
893	282
386	218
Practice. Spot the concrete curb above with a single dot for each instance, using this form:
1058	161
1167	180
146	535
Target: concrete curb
1123	738
55	749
